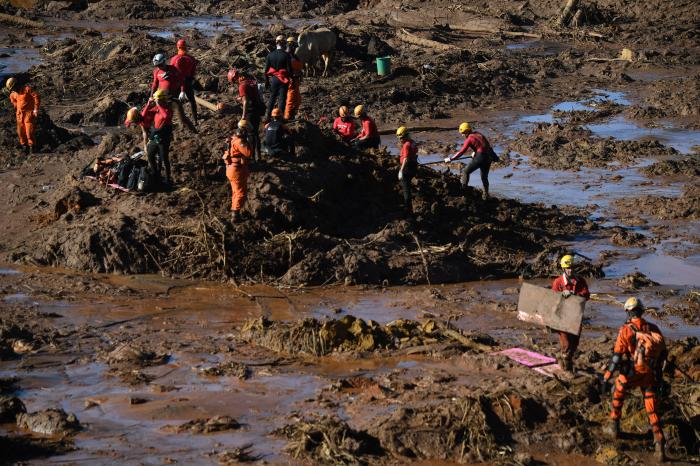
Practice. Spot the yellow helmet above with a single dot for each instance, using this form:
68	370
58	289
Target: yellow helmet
343	111
358	110
464	127
132	114
10	83
243	124
291	40
279	39
401	132
634	304
567	261
160	94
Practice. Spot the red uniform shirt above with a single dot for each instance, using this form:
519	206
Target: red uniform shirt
576	285
409	152
476	142
158	115
167	79
185	64
346	129
369	128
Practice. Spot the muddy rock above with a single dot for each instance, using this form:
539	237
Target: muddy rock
329	440
205	426
231	368
108	112
49	422
687	307
8	384
687	166
10	407
627	238
684	207
236	456
26	448
635	281
129	355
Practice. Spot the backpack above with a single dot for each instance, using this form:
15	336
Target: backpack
123	170
145	181
649	347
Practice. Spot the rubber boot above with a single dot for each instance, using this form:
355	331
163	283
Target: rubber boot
660	452
30	150
235	216
25	149
485	195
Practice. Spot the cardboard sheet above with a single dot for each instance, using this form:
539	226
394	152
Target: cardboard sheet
543	306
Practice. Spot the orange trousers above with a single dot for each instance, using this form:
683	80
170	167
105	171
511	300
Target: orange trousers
293	101
646	382
238	177
25	128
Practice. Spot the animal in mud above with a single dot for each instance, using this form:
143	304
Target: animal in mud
314	45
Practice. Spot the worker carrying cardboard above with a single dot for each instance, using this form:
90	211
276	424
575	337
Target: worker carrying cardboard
237	158
26	104
569	284
639	355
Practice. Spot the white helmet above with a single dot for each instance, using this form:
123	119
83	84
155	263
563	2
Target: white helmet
158	59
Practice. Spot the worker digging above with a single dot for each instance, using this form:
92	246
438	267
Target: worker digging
258	219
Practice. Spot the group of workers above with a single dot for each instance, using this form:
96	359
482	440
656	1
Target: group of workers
639	355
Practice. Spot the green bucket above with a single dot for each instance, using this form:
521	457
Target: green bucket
383	66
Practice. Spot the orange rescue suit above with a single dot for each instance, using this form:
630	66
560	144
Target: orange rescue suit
236	159
26	103
293	93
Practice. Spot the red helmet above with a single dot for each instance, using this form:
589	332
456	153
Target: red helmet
232	74
181	44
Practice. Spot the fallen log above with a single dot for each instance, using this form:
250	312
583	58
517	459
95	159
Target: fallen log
206	103
486	32
468	342
406	36
18	20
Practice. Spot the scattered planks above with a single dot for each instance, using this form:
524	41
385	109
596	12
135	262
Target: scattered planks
206	103
18	20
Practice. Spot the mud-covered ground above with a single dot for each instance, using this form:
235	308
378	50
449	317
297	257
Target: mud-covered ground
598	156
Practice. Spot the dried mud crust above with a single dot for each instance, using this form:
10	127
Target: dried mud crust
559	147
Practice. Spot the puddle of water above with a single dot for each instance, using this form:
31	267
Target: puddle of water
620	127
664	269
18	60
9	272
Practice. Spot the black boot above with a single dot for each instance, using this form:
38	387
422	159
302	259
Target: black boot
235	216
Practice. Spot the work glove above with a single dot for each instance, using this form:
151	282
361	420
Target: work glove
182	96
400	175
566	293
447	160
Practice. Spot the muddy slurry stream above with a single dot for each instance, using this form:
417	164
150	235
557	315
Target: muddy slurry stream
325	328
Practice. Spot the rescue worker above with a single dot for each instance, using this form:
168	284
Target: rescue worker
160	112
186	65
482	155
409	165
253	105
639	355
26	104
168	79
569	284
134	117
344	126
236	159
278	70
294	92
369	135
278	139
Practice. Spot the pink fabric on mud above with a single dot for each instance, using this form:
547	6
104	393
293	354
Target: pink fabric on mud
526	357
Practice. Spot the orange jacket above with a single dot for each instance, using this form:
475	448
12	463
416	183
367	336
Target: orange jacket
626	343
25	101
238	153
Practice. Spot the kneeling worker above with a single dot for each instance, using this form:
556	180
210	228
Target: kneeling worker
569	284
639	355
237	158
343	126
482	156
369	135
278	139
409	165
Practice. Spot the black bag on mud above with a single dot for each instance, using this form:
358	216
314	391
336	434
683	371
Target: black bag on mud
146	183
133	180
123	171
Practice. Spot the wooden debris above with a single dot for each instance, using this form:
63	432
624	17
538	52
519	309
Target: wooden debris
18	20
410	38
